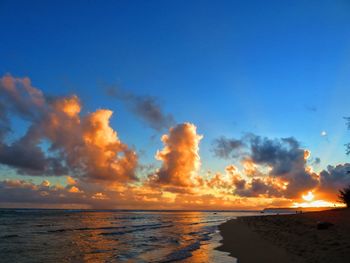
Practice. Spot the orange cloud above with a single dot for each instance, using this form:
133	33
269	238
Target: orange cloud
70	106
180	158
75	189
250	168
71	180
91	147
83	146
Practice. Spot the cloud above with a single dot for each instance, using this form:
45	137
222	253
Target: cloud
259	187
101	170
29	159
334	178
18	95
81	145
79	195
89	146
280	154
276	167
19	191
287	161
228	181
316	161
4	121
227	148
180	158
146	108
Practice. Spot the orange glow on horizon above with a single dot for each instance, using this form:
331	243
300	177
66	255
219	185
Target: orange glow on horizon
310	202
317	203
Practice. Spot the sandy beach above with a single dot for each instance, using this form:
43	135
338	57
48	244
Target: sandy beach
289	238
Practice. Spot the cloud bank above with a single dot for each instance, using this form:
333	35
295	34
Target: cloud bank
101	170
273	167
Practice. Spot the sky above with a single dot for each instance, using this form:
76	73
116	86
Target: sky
173	104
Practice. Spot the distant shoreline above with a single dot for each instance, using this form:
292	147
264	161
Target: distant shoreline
265	210
288	238
128	210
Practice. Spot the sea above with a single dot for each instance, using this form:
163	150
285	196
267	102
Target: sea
41	235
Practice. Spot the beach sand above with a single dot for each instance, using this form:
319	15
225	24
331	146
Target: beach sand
289	238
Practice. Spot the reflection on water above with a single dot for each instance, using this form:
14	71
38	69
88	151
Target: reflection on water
111	236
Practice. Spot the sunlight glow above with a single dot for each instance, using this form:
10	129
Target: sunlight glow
317	203
308	197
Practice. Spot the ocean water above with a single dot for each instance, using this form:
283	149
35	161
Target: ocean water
28	235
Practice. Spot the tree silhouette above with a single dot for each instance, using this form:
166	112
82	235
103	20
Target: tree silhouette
344	196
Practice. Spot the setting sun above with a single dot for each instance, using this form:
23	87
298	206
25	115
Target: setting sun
308	197
310	201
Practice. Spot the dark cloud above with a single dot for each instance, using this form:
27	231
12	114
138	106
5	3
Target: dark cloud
279	168
19	96
4	122
18	191
282	155
28	158
22	157
257	187
147	108
227	148
335	178
316	161
286	160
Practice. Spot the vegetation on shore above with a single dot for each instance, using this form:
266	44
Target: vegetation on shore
344	196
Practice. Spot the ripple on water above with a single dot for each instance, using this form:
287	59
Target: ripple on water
110	236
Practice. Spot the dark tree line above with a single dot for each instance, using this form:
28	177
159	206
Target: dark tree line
344	196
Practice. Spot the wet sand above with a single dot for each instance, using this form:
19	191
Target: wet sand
289	238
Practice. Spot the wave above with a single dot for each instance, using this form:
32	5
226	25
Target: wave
182	253
208	222
135	230
100	228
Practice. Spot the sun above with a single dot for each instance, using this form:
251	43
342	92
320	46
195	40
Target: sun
308	197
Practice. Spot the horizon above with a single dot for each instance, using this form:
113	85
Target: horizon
268	210
172	105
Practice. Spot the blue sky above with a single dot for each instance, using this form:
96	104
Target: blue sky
275	69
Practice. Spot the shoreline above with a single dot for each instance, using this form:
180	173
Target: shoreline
288	238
